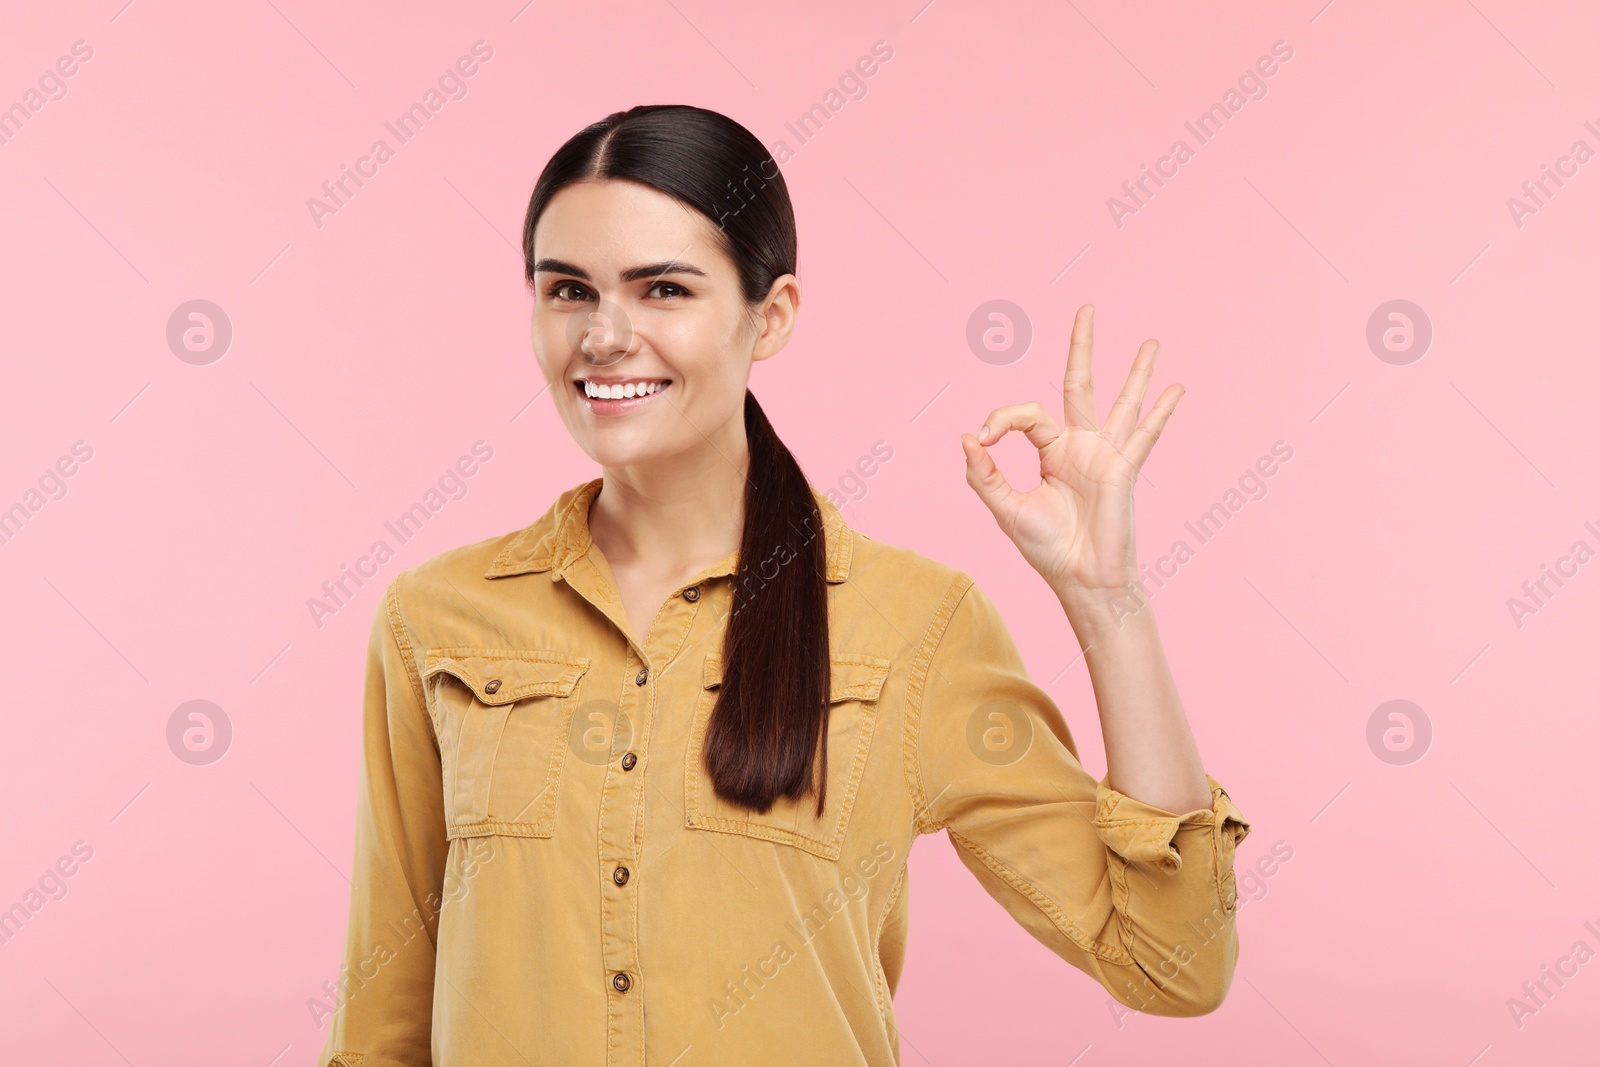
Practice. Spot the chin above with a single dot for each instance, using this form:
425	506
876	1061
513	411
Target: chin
617	454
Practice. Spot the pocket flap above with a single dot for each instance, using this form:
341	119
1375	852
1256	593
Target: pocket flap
854	676
504	676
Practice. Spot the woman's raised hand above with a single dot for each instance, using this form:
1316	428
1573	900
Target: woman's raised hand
1076	527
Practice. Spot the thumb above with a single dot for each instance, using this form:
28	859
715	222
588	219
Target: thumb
986	479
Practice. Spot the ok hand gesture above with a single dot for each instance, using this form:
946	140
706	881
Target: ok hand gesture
1076	527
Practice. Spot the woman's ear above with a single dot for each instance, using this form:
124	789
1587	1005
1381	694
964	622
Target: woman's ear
776	318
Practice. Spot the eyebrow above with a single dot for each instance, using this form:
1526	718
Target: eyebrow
632	274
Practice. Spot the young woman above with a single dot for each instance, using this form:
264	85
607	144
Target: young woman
639	781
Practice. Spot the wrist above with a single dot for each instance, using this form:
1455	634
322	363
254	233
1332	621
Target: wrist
1103	610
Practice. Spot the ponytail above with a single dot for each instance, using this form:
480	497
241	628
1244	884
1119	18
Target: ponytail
771	713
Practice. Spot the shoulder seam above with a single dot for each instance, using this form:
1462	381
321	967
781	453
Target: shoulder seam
916	688
397	628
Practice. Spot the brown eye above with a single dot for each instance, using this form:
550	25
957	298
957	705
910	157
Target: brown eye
556	290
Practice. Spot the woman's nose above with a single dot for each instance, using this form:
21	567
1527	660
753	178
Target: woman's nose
604	335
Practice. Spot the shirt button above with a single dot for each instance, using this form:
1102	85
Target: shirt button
620	982
620	876
692	593
644	676
628	760
492	686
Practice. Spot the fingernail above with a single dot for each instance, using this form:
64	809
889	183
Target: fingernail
983	433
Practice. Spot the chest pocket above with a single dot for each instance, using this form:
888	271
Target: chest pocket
501	716
857	681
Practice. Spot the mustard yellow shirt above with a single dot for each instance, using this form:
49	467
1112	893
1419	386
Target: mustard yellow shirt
544	875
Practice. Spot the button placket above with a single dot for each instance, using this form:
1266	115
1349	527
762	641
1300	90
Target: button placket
621	808
621	799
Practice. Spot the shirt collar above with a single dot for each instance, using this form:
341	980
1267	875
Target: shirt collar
561	535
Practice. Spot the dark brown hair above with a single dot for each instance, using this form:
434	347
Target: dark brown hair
769	725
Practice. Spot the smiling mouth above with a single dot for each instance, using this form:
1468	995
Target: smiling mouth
629	390
616	399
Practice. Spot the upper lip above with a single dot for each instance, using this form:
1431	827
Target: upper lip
603	380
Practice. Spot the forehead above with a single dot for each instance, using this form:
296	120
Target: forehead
614	224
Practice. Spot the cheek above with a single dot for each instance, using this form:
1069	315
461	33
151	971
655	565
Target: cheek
548	335
713	353
716	385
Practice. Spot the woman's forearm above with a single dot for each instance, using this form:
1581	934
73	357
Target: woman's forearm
1151	753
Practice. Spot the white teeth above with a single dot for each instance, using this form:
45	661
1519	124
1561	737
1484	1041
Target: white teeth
620	392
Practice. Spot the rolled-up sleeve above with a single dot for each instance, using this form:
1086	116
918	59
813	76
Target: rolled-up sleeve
1142	899
384	1006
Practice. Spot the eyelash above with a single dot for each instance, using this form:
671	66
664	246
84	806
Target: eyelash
554	292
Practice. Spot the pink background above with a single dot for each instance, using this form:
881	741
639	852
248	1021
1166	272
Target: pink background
368	354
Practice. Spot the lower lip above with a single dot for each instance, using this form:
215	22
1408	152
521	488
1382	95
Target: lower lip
619	407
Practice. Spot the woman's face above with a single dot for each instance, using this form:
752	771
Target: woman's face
633	295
